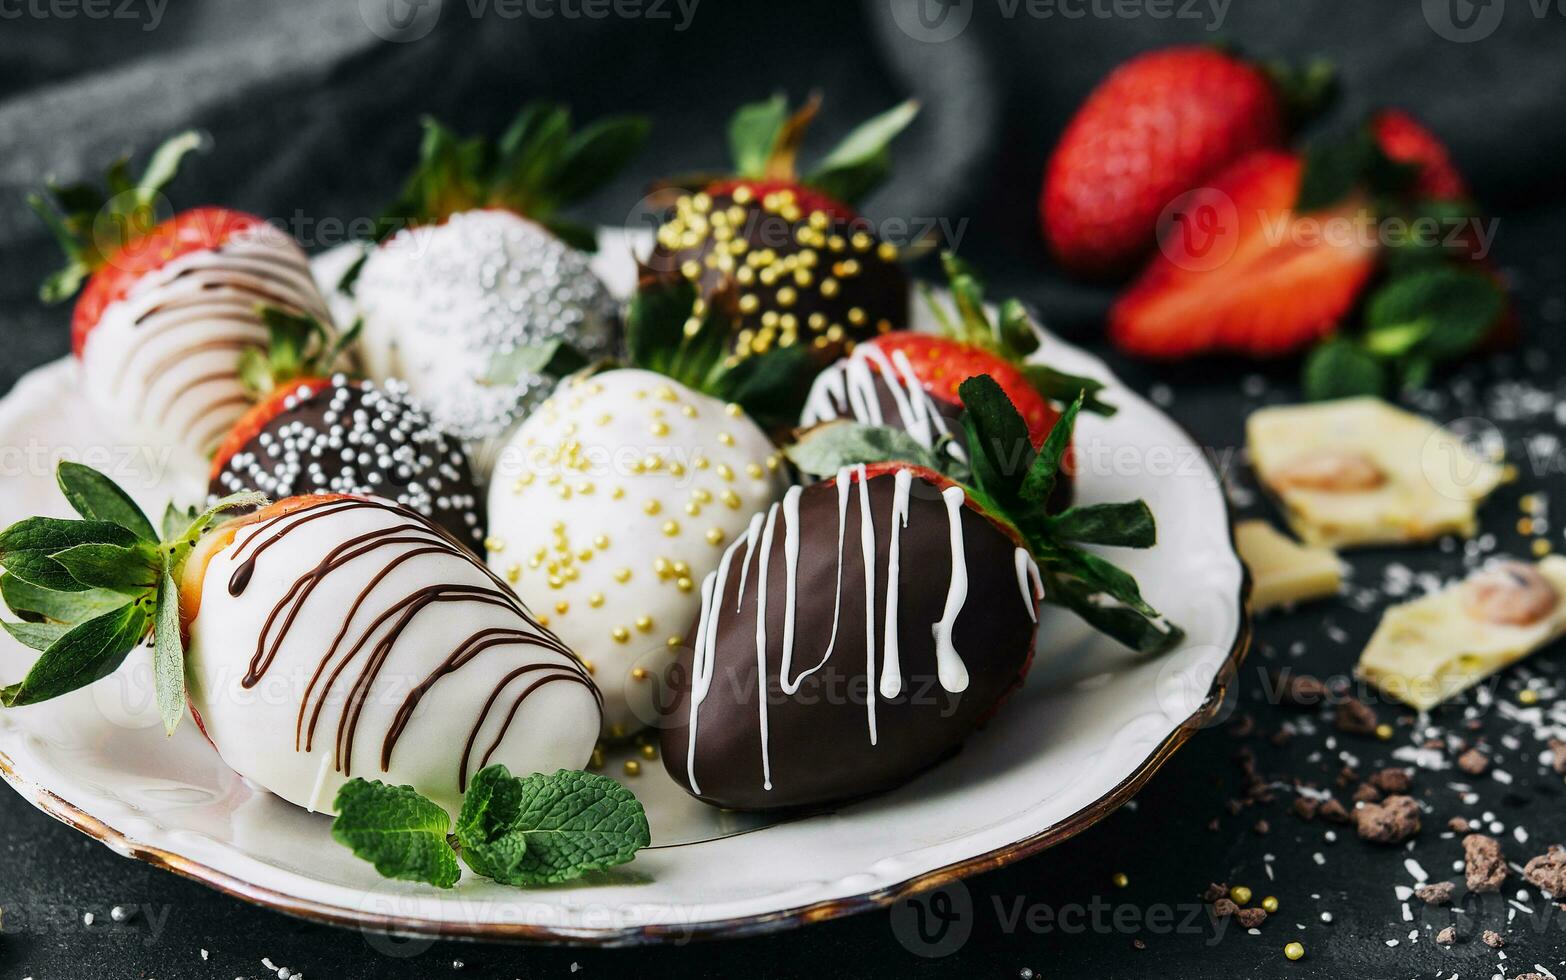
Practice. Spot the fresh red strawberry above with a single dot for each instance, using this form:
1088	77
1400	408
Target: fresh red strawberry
1158	126
258	417
1285	285
196	230
1406	140
942	364
804	268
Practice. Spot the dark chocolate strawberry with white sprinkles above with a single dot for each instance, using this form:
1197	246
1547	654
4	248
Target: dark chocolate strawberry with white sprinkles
341	435
805	267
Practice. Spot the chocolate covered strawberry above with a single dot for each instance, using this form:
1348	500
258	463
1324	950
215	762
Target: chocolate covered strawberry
168	309
321	637
1160	125
477	262
804	267
842	646
617	496
912	381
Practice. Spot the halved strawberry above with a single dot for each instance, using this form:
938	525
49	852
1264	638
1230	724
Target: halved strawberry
1289	281
1406	140
259	416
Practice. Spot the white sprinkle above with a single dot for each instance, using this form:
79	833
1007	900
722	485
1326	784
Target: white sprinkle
1319	858
1414	869
88	919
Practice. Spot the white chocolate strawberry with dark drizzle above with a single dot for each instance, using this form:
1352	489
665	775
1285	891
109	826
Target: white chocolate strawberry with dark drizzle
168	311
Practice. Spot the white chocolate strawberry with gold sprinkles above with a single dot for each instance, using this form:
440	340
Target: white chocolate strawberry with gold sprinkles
610	505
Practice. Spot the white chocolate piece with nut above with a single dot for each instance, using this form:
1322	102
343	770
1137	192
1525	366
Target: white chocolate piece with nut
1433	648
1360	472
1284	572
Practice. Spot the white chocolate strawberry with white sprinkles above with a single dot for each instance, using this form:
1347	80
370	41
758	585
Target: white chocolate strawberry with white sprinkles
610	505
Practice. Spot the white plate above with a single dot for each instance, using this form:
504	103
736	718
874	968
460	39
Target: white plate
1089	728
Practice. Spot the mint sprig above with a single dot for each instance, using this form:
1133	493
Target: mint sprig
1013	483
89	591
298	346
535	830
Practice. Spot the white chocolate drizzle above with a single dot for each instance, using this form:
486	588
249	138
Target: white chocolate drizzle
951	671
850	386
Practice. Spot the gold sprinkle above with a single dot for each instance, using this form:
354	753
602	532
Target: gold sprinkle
1525	525
1270	904
649	751
605	419
617	493
562	607
671	528
1384	732
620	634
493	543
639	673
1240	895
1294	951
543	620
652	507
731	500
659	428
754	471
513	572
622	575
595	600
1528	696
684	584
597	761
644	623
601	542
632	767
689	411
693	508
715	536
725	471
1529	503
828	287
1120	879
733	410
680	568
674	641
856	316
1541	547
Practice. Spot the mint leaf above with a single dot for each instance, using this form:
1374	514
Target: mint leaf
1338	368
553	358
1453	307
493	844
98	498
87	652
168	654
569	823
397	830
827	448
109	566
34	604
1128	525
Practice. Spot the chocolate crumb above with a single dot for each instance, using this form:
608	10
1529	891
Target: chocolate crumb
1281	737
1547	872
1250	918
1493	939
1214	892
1138	944
1243	728
1457	825
1305	808
1367	794
1531	976
1212	825
1334	812
1439	893
1473	762
1391	780
1558	750
1263	827
1484	866
1391	822
1355	717
1447	936
1347	777
1300	690
1223	908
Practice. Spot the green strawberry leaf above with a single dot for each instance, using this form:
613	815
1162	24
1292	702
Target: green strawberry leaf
36	604
861	162
397	830
1339	368
176	520
1000	450
97	498
595	154
583	238
168	654
1125	525
771	387
829	447
89	651
26	548
38	636
1130	627
1045	471
130	570
753	132
1061	388
569	823
1017	330
553	359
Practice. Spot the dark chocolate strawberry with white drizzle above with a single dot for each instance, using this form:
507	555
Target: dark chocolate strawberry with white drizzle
866	625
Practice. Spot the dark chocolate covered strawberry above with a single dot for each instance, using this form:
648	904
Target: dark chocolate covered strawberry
805	268
865	626
168	309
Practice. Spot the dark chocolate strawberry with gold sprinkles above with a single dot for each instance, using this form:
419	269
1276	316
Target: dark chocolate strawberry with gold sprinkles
805	267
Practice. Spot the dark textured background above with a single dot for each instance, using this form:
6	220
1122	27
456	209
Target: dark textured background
313	115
